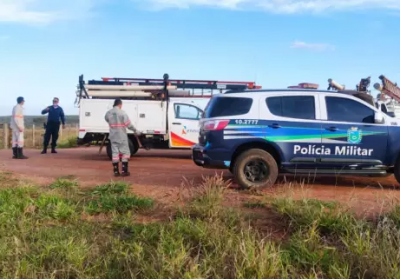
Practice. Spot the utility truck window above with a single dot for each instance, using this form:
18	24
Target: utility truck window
183	111
299	107
346	110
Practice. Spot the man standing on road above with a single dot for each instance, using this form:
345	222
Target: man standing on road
118	121
18	126
56	114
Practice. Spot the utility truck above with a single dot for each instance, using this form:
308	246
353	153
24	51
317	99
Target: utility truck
389	98
387	101
166	112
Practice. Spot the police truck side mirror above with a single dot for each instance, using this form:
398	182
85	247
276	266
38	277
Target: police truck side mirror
379	119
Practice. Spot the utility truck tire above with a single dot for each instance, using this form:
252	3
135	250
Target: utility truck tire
255	169
109	151
133	146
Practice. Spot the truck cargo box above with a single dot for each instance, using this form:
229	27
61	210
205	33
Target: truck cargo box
148	117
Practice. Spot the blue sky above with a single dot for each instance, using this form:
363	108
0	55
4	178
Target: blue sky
46	44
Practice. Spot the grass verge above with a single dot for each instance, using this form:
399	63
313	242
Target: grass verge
45	233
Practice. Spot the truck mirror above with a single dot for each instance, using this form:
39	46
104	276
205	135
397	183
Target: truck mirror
379	119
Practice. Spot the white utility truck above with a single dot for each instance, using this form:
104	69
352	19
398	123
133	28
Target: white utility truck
166	112
389	97
387	101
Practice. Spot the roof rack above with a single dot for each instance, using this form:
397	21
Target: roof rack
388	88
154	88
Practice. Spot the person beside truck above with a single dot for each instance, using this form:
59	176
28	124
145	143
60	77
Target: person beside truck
118	122
18	126
55	118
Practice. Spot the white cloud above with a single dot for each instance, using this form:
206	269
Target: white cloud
43	11
47	11
279	6
313	47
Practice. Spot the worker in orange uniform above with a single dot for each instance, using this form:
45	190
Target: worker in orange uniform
17	126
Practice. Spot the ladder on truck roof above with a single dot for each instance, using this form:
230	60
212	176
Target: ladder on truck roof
361	91
388	88
145	88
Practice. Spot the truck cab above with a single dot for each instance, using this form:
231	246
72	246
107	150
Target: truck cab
260	134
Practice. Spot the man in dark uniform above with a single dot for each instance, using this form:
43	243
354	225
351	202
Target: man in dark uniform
56	115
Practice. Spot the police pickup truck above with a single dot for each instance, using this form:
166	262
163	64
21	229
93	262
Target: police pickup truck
259	134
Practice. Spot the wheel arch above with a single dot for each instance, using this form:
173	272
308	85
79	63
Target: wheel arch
264	145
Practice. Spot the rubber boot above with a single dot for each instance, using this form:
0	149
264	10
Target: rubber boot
116	170
125	171
20	154
15	154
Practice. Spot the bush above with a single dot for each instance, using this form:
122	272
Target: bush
68	143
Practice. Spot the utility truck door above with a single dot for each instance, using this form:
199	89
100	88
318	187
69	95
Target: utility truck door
183	124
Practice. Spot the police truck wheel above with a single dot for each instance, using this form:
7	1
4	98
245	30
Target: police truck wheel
256	169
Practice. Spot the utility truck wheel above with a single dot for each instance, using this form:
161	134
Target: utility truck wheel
255	169
133	147
109	151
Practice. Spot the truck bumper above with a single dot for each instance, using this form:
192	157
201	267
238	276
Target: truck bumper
201	159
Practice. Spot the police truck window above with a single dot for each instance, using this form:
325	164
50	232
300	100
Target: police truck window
347	110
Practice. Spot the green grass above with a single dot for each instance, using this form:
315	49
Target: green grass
111	188
118	203
65	184
114	197
46	233
68	143
328	217
255	204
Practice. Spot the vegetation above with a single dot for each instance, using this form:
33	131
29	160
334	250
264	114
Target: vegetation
39	120
68	142
34	135
63	231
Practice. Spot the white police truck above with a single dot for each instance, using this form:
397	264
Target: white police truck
259	134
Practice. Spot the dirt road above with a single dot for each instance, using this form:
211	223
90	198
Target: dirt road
158	172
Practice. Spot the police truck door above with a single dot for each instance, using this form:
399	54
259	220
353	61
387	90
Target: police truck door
294	125
350	133
183	124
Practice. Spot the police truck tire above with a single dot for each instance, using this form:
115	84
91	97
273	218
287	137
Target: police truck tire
255	169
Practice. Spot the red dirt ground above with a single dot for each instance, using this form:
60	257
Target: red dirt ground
159	174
